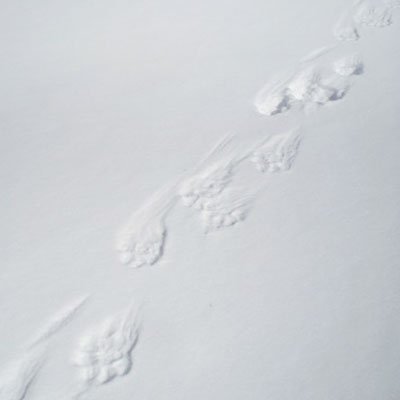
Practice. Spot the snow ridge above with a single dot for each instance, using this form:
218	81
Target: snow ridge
16	381
62	318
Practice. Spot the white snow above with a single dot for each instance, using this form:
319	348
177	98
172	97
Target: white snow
242	158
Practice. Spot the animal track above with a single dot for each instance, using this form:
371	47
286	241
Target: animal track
209	183
145	244
58	321
310	87
373	13
141	242
392	3
206	190
346	31
106	352
370	13
211	178
346	28
307	88
349	66
278	154
16	381
225	210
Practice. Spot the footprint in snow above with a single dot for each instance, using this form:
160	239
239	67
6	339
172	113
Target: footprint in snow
105	353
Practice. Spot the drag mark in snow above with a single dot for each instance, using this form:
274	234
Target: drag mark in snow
106	352
317	53
278	153
17	379
62	318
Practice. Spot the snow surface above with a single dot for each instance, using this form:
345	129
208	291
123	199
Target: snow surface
200	200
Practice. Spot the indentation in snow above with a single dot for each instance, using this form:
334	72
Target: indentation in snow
345	28
141	241
277	154
225	210
106	352
348	66
392	3
304	89
207	184
374	14
346	31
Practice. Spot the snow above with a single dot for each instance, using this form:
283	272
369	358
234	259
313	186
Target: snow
200	200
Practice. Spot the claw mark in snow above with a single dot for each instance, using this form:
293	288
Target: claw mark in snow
63	317
16	381
315	54
279	153
106	352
